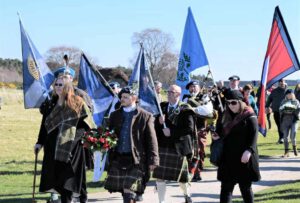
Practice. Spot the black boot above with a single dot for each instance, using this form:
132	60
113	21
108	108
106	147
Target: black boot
188	199
128	198
295	150
139	197
286	153
196	177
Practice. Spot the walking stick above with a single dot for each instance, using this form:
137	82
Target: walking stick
34	176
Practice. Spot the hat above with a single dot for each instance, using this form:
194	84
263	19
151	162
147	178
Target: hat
234	94
64	71
128	90
288	91
114	85
193	82
234	77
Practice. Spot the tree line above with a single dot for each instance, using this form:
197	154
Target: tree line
159	51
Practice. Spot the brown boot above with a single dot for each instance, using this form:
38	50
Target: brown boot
286	153
295	150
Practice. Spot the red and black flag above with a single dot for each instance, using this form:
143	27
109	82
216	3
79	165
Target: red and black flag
280	61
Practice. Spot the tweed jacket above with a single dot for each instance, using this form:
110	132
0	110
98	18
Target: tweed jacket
144	145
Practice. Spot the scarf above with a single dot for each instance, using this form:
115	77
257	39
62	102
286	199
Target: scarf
66	120
247	112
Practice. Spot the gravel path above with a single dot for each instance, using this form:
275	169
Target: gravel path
274	171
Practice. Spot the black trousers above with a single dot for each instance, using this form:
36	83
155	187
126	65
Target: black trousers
277	121
227	189
66	195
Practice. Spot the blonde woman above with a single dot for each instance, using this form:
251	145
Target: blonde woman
63	124
289	116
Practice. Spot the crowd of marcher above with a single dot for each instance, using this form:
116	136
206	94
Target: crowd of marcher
171	146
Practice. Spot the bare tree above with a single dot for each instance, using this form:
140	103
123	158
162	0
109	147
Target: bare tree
167	68
54	56
156	44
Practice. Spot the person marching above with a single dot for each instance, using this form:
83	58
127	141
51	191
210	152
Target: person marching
273	103
158	88
136	153
249	99
289	116
68	74
239	161
177	143
63	125
204	109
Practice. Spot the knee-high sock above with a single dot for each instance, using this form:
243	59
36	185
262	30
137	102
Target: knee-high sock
185	187
161	190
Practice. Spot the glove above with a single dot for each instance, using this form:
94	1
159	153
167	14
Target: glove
37	148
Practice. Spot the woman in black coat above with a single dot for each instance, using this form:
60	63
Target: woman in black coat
64	123
239	163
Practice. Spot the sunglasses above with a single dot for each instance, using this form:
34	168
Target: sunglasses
58	84
232	102
171	92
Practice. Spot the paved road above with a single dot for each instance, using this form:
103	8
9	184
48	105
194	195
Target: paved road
275	171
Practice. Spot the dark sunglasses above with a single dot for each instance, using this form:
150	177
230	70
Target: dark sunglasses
58	84
171	92
231	102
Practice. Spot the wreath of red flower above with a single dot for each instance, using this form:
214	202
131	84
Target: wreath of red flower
99	139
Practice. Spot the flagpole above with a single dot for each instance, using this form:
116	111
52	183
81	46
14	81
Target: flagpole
100	75
32	52
152	83
218	95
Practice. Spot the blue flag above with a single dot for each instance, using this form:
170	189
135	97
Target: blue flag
37	77
192	54
100	93
139	80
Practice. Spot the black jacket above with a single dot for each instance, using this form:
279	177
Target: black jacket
185	128
56	174
242	136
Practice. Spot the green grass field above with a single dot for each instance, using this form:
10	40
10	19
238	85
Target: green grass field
18	134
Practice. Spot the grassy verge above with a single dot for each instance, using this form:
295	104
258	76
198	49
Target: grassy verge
287	193
18	134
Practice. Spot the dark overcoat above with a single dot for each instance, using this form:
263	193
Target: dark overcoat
242	136
55	174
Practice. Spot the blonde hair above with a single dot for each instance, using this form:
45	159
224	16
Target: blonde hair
71	100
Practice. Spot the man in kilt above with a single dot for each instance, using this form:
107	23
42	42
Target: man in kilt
204	109
177	143
136	153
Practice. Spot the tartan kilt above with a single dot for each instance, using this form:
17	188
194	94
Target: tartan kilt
171	166
118	179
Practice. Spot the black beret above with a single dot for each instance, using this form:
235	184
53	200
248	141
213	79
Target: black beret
127	90
234	94
193	82
234	77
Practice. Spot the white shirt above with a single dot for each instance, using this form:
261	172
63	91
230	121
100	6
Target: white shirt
130	108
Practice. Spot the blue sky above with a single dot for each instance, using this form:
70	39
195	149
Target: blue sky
235	33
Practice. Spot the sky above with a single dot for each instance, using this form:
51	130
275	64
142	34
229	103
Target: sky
234	33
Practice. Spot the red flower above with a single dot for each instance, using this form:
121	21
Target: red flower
101	140
106	145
